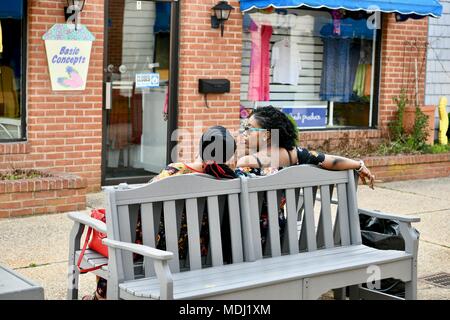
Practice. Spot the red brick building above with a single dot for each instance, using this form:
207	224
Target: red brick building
119	127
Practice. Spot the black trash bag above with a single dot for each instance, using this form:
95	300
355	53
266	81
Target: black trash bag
383	234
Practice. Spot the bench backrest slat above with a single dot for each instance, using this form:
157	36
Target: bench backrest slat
344	231
235	228
194	221
125	231
292	215
151	216
355	231
308	219
326	223
273	236
214	230
172	232
255	232
300	187
180	202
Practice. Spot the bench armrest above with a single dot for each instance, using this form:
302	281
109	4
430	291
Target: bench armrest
139	249
383	215
88	221
160	263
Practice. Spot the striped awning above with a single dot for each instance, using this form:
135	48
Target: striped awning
418	7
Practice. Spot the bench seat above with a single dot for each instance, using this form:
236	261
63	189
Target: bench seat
93	259
216	282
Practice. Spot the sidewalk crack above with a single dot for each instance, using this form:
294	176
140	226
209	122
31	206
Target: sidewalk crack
436	244
37	265
432	211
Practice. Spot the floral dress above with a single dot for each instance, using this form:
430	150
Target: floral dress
174	169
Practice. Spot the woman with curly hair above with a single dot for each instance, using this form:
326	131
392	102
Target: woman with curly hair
274	137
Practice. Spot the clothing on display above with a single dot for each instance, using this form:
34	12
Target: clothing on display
259	77
118	133
1	38
363	78
286	61
368	80
8	93
136	118
347	58
340	63
358	86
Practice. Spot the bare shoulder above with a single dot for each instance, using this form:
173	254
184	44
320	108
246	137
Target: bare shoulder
247	161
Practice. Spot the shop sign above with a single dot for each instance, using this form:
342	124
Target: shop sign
308	117
68	54
147	80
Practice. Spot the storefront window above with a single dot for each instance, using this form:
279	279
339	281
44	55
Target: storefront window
12	33
316	65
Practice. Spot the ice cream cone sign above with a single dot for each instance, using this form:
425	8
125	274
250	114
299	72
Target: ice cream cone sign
68	54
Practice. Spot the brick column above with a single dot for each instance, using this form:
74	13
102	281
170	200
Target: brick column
205	54
402	42
64	127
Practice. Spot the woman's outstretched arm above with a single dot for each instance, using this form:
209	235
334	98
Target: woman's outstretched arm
333	162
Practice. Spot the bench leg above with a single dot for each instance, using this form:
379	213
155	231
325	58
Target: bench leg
354	293
411	237
73	272
340	294
411	290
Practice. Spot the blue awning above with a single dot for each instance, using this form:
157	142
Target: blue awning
162	23
11	9
418	7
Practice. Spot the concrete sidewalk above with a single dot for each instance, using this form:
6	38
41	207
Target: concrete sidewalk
37	246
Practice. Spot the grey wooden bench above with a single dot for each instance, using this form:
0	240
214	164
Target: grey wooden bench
327	252
294	264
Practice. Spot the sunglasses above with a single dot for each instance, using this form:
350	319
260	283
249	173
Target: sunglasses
247	128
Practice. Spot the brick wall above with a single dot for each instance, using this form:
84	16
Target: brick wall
408	167
58	193
64	128
205	54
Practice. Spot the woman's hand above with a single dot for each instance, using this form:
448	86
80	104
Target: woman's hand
364	174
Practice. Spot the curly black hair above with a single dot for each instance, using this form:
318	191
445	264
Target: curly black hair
272	118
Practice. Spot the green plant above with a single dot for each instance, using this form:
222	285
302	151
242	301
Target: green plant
396	126
419	133
437	148
402	142
18	174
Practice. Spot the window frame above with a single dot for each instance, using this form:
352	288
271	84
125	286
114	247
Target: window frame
23	80
376	86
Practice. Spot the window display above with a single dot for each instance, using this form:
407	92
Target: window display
312	59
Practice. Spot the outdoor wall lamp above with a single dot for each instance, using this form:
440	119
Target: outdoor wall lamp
72	10
222	12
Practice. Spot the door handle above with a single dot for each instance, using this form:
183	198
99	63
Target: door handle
108	96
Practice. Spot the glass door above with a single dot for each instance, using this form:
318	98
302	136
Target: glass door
136	90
